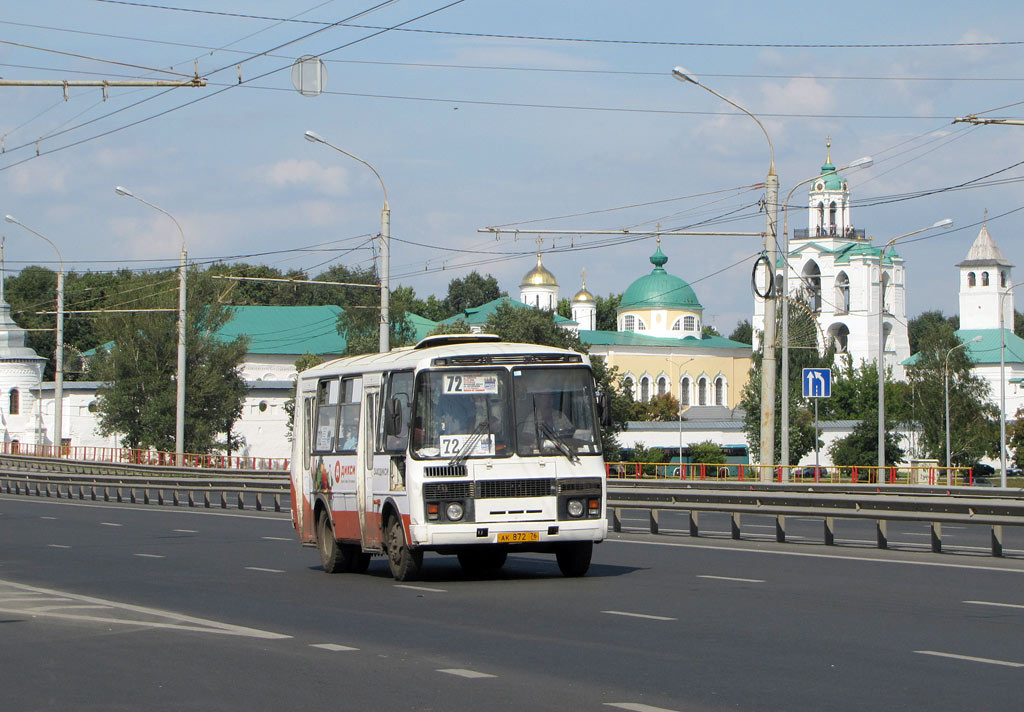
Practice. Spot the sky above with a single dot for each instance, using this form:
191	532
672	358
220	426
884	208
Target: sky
532	115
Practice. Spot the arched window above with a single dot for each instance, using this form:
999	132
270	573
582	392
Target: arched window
645	389
702	391
811	277
684	391
886	297
662	386
832	218
689	323
630	385
1002	278
640	325
821	217
15	402
984	279
971	281
677	324
628	322
719	391
842	293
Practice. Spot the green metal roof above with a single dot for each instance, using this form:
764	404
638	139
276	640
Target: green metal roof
833	181
286	330
630	338
987	350
659	289
477	316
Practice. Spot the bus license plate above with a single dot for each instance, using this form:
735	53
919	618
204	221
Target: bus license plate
517	537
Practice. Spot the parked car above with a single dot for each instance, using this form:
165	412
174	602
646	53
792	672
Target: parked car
980	474
807	473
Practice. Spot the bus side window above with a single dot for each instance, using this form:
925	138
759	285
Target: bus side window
397	404
351	397
307	430
326	415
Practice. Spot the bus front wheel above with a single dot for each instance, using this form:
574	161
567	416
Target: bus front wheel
405	563
574	557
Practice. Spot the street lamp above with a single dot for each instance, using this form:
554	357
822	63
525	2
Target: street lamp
58	381
179	418
949	473
385	246
1002	384
771	198
863	162
944	224
679	382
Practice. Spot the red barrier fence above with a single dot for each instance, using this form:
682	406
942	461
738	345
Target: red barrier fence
867	474
147	457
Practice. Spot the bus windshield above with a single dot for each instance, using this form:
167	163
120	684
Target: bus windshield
555	412
460	414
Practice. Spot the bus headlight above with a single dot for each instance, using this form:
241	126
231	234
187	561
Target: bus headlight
454	511
574	507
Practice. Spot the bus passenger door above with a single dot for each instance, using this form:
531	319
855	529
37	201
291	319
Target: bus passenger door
368	506
302	476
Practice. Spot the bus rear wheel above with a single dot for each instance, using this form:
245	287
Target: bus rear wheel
331	557
405	563
574	557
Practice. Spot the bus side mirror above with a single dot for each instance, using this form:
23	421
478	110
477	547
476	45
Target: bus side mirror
393	417
604	406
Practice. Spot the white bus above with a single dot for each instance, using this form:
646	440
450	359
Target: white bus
462	445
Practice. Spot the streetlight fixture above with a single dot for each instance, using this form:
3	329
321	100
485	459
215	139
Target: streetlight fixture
863	162
943	224
1002	385
58	381
179	419
771	198
385	246
949	472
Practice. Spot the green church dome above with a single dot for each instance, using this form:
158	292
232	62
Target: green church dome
659	289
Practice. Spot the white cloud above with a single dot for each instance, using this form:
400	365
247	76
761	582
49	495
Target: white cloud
292	172
39	177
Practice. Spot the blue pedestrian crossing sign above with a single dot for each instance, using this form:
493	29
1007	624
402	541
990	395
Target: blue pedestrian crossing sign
817	382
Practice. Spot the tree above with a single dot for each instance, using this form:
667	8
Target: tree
359	322
744	332
661	408
974	421
471	291
606	313
924	322
707	452
708	330
1015	438
306	360
860	447
803	353
137	398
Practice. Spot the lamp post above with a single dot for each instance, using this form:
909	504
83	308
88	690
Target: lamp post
58	380
1002	385
949	473
944	224
679	382
385	246
179	417
864	162
771	199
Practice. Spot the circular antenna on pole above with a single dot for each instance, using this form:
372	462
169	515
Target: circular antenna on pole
309	75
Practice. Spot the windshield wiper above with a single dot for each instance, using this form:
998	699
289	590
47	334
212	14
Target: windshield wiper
470	444
560	443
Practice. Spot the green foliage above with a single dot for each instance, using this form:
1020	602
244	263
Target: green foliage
531	326
138	395
662	408
744	332
1015	438
471	291
708	330
606	313
973	420
306	360
926	321
860	447
707	452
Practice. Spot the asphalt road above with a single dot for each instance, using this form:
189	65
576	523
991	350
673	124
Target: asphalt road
109	607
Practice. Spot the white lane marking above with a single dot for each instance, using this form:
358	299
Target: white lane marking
58	546
110	524
970	658
421	588
187	531
47	517
729	578
269	571
29	597
181	622
40	609
333	647
1000	605
284	516
637	707
151	556
806	554
277	538
638	615
472	674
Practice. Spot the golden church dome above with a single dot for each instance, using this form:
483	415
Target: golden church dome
539	276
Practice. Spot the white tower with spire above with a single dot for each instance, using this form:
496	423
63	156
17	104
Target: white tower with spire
21	375
584	307
539	287
984	274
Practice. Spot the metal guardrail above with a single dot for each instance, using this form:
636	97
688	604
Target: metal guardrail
937	506
139	483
